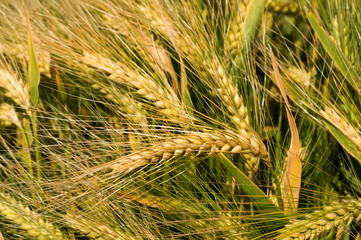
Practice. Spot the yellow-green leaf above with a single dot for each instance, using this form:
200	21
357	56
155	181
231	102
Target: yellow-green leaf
34	74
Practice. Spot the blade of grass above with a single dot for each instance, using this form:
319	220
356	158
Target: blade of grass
34	73
258	197
34	80
347	144
336	55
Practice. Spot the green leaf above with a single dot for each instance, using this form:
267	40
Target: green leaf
34	74
252	22
346	143
257	196
336	55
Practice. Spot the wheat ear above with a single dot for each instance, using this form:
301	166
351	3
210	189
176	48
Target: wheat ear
28	220
226	88
341	37
321	222
299	75
234	33
181	41
224	83
197	144
149	200
233	100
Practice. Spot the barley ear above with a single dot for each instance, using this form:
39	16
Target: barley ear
321	222
8	115
28	220
199	144
15	87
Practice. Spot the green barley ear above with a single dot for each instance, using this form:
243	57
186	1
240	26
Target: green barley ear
252	23
321	223
283	6
28	220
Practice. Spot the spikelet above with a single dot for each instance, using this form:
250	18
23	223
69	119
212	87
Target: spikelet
343	126
8	115
28	220
322	222
196	144
15	88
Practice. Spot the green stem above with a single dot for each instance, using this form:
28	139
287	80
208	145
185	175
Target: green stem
37	144
27	142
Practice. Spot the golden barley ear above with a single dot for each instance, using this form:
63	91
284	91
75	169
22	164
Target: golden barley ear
15	87
145	86
197	144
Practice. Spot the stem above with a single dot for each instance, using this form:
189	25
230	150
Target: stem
28	139
38	156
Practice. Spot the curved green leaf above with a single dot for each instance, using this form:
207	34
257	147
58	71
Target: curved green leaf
34	74
258	197
336	55
346	143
